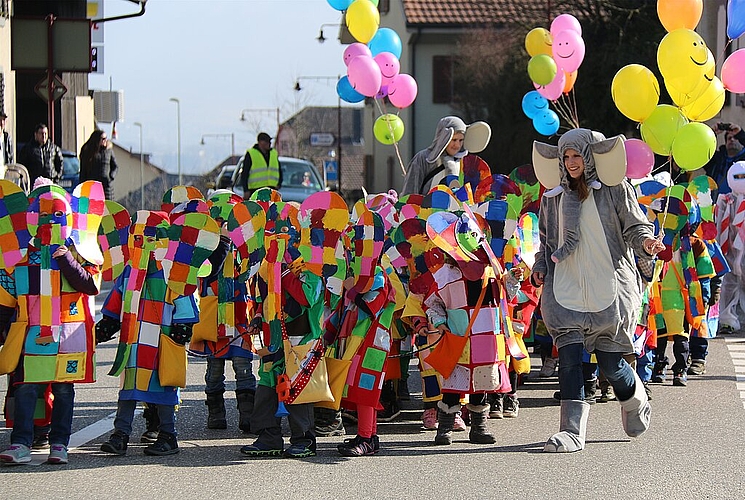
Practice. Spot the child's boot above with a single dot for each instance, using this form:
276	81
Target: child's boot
216	411
478	433
636	411
165	445
152	422
445	423
117	444
245	398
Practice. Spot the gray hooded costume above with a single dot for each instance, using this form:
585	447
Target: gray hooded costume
429	159
429	166
592	289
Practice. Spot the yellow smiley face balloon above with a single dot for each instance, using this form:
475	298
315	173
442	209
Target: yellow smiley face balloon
684	59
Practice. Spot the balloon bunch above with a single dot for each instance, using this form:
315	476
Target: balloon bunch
688	70
373	67
555	57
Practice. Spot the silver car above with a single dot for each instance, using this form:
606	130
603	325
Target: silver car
300	179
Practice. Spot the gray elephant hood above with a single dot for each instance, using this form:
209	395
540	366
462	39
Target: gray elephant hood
446	128
581	140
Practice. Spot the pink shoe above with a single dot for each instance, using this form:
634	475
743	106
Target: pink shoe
459	425
429	419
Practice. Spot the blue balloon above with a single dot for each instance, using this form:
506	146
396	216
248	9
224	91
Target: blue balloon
347	92
340	4
546	123
534	103
735	18
385	40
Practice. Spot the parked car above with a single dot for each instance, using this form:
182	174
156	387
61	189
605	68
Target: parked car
225	177
70	171
300	179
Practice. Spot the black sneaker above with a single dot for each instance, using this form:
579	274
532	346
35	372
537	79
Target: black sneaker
165	445
680	379
300	451
606	394
149	437
260	450
358	447
511	406
117	444
496	409
389	412
403	390
41	442
698	367
335	428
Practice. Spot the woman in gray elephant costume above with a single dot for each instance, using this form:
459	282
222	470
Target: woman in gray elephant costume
590	227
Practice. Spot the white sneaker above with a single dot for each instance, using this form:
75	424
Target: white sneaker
16	454
549	368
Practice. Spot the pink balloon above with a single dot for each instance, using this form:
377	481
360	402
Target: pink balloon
568	50
389	66
565	22
402	90
639	159
354	50
364	75
733	72
553	90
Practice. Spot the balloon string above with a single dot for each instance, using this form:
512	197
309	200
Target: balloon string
574	106
562	112
390	130
568	110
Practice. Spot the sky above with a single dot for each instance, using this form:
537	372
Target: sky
217	57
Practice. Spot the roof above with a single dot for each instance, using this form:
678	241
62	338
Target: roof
476	12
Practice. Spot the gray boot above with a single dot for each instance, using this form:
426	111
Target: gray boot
636	411
478	433
445	422
572	428
245	398
216	408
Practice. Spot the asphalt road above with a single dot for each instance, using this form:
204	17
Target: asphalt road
694	449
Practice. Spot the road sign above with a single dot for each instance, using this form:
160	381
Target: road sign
330	167
42	89
321	139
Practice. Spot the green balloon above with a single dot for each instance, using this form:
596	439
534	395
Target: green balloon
388	128
694	146
661	127
542	69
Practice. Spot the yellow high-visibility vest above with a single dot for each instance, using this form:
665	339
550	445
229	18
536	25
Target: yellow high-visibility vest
263	175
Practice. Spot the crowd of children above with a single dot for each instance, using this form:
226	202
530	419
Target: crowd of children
334	303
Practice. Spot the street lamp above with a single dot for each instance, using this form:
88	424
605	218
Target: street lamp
142	170
298	88
320	36
261	110
178	137
232	141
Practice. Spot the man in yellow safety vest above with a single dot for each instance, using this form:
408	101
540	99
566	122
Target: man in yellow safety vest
261	166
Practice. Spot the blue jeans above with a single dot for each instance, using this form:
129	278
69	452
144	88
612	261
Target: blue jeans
125	413
25	405
214	378
644	365
699	347
571	378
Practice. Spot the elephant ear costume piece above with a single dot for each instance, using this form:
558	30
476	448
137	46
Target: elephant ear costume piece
605	162
476	138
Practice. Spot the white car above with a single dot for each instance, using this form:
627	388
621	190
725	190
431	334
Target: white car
300	179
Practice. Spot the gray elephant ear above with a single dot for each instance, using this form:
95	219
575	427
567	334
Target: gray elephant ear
546	164
610	160
477	137
441	142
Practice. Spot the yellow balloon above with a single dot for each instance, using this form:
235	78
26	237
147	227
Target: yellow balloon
363	20
661	127
708	104
677	14
683	59
635	92
538	41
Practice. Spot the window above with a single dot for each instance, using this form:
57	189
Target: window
384	6
4	11
442	79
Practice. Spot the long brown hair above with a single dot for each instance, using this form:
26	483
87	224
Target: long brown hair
579	185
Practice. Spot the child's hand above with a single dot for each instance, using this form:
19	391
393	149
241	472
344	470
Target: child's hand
537	279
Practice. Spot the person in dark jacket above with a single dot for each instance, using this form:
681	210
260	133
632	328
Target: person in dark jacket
41	156
97	162
6	142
